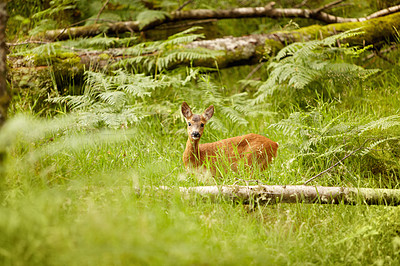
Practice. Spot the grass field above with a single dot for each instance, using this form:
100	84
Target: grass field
70	198
74	192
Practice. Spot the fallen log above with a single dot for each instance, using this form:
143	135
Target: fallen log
201	14
240	50
264	194
30	73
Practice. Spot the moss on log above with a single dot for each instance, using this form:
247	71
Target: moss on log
57	72
251	49
200	14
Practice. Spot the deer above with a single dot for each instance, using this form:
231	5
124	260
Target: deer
252	148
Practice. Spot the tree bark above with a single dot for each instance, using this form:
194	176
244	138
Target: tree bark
251	49
36	77
296	194
4	95
240	50
201	14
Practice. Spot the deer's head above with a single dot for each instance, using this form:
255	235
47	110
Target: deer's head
195	123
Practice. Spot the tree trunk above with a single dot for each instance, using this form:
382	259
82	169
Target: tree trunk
4	95
201	14
296	194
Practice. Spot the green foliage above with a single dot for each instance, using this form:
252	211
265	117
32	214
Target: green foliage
56	7
101	42
327	135
51	17
123	99
149	16
71	196
314	66
115	10
114	100
154	57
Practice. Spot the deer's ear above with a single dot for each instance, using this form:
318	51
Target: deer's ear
186	112
208	113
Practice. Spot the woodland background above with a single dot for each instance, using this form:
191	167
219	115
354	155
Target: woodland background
94	114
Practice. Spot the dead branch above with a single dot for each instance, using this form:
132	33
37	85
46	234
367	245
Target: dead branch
391	48
183	5
101	10
199	14
341	160
264	194
236	50
379	54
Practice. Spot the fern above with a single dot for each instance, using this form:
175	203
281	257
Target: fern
315	65
148	16
100	42
154	57
56	6
320	135
112	100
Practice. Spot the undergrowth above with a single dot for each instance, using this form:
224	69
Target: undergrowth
82	188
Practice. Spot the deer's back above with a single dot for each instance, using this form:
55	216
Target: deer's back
251	147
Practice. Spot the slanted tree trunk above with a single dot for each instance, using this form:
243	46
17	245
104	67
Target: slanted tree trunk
296	194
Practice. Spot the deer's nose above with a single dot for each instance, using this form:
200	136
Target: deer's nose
195	134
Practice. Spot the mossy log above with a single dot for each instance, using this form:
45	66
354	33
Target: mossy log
264	194
236	50
200	14
251	49
62	69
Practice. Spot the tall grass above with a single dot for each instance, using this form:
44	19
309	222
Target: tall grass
83	194
71	196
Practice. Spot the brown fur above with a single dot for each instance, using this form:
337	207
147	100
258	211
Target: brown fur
252	148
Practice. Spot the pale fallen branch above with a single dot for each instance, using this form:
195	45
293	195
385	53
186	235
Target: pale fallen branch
200	14
264	194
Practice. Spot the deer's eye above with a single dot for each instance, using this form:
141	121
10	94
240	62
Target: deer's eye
202	125
190	124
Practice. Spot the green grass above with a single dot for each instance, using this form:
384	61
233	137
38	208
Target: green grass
70	197
84	195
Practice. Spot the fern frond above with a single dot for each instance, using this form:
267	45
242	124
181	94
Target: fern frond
114	99
376	143
300	65
55	8
162	55
100	42
380	124
148	16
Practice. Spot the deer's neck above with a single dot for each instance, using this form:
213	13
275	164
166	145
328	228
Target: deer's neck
191	155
